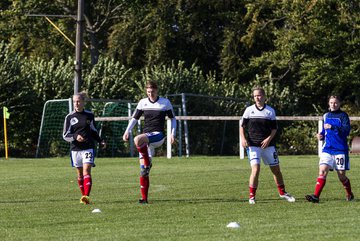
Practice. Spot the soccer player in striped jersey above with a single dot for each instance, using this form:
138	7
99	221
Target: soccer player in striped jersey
335	150
155	109
257	130
80	131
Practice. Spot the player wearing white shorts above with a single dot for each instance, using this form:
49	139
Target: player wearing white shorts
80	131
154	109
335	150
257	130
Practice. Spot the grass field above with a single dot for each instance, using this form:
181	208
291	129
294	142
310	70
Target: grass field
190	199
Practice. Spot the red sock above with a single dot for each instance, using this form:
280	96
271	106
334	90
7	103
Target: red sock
281	189
143	150
144	187
87	185
320	183
252	191
347	186
81	185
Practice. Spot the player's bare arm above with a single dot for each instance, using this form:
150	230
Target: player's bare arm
265	143
243	139
131	125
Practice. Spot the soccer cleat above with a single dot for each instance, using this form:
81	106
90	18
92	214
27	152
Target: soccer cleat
350	197
252	200
288	197
142	201
312	198
85	200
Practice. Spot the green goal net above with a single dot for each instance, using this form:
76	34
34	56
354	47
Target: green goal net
113	131
51	142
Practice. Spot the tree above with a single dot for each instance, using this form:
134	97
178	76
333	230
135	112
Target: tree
248	34
155	33
17	95
314	51
34	37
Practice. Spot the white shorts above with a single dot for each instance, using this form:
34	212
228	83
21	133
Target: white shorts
78	158
156	139
339	162
268	155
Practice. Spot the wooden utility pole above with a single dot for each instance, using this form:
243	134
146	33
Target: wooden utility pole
78	47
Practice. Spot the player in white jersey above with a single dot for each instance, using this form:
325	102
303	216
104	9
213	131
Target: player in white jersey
257	130
154	109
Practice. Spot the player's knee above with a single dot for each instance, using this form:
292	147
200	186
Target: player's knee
323	172
136	140
140	140
144	171
342	176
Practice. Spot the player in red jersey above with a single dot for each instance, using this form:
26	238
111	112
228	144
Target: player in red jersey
154	109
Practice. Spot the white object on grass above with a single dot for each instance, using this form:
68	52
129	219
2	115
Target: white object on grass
96	210
233	225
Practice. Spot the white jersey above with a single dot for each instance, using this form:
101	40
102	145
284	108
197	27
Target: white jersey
259	123
154	113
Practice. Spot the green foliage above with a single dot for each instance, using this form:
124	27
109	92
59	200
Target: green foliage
24	108
156	33
109	79
51	79
315	51
176	78
352	110
34	36
297	138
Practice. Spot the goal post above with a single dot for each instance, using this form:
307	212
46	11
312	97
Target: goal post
50	139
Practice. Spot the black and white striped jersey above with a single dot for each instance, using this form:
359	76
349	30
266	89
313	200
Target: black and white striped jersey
258	124
154	113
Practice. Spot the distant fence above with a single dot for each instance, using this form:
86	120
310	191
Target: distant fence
227	118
